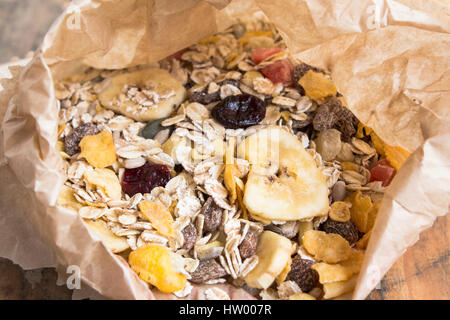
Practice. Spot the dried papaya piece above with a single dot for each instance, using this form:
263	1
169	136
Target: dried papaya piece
99	150
158	216
396	156
317	86
153	264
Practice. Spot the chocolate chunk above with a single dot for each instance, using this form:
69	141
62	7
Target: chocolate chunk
247	248
72	140
213	215
190	236
301	272
207	270
347	230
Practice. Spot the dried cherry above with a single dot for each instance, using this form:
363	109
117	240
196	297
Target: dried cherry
239	111
145	178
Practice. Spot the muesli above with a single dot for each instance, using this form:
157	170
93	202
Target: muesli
227	162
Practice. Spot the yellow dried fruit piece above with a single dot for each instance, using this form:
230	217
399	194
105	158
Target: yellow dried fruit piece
153	264
230	172
339	211
354	262
361	206
159	217
364	241
250	34
362	131
317	86
106	180
377	143
99	150
328	247
239	196
282	276
112	242
338	288
301	296
372	215
304	226
349	166
396	156
66	199
332	272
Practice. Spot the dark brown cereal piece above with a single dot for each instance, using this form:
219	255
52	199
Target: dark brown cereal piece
213	215
302	274
190	236
347	230
73	139
247	248
203	97
332	115
207	270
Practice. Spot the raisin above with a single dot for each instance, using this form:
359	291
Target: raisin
207	270
152	128
299	72
302	274
190	236
247	248
145	178
239	111
347	230
213	215
73	139
332	115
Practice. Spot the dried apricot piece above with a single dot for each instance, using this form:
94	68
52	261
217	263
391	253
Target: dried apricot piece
339	211
328	247
317	86
99	150
396	156
153	264
361	206
107	180
158	216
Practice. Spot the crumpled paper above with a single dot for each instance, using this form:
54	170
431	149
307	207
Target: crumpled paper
389	58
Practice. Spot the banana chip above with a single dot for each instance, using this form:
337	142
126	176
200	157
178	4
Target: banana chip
99	150
66	199
107	180
361	206
159	217
339	211
317	86
328	247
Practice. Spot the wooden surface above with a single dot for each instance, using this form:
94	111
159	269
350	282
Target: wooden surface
423	272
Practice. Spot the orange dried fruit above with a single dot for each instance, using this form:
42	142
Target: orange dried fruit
396	156
339	211
377	143
328	247
99	150
361	206
153	264
158	216
317	86
364	241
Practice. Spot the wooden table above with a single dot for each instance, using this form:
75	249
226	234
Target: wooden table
423	272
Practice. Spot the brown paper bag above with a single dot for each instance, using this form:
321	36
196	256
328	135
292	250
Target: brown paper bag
390	59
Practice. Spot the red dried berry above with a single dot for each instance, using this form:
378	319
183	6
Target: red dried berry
240	111
261	54
145	178
382	171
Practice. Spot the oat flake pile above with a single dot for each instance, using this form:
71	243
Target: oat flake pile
230	169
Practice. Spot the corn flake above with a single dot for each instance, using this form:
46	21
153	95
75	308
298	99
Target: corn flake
317	86
364	241
153	264
158	216
106	180
328	247
338	288
99	150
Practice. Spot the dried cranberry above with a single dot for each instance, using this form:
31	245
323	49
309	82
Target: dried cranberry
262	54
240	111
145	178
